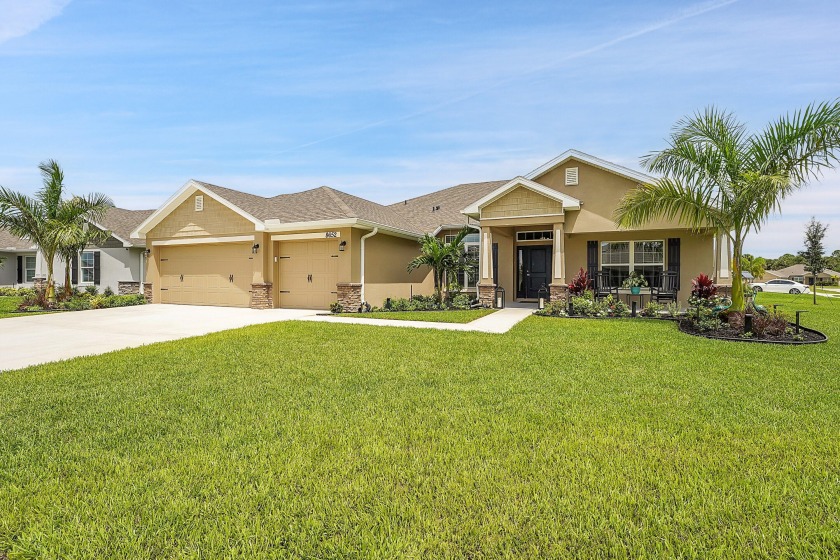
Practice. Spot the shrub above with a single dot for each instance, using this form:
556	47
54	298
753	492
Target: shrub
613	307
17	292
98	302
108	292
769	324
653	309
462	301
76	304
91	291
702	287
125	300
704	318
336	307
579	284
554	309
36	299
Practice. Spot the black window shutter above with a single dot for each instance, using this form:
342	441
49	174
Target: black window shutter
96	275
496	263
674	257
74	270
591	259
20	269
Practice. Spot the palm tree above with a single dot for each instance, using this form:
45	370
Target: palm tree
47	219
447	260
756	266
719	177
75	236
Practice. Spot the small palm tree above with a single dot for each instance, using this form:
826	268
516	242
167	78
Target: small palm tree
718	177
75	236
756	266
447	260
47	219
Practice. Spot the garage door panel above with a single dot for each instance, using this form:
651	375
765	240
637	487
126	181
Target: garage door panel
200	274
308	273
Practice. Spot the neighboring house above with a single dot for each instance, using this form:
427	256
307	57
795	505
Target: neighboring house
211	245
797	273
118	262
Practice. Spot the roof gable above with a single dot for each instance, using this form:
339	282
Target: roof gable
568	202
591	160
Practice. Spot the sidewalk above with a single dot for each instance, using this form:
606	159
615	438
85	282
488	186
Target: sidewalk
499	322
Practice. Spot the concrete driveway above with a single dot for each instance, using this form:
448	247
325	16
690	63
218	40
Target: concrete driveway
26	341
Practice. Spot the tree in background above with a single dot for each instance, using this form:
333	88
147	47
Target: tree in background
756	266
814	250
784	261
717	177
47	218
833	261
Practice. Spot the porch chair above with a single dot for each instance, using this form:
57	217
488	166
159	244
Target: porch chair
603	285
667	289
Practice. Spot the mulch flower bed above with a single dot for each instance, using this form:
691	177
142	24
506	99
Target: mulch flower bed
726	332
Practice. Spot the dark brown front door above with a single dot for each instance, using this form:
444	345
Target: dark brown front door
534	270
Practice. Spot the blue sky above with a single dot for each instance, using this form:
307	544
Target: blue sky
388	100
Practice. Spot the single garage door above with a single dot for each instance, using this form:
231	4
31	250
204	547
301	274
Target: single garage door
308	272
207	274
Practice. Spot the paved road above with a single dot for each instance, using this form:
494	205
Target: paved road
26	341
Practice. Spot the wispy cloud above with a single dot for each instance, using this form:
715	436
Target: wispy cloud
23	17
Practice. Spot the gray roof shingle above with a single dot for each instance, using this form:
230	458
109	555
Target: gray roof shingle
443	207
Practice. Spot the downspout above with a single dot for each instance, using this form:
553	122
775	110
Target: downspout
362	256
142	271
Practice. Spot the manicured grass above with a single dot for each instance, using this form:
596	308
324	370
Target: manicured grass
454	316
563	438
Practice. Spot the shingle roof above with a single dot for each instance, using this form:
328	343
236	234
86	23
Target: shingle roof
444	207
122	222
799	270
9	242
322	203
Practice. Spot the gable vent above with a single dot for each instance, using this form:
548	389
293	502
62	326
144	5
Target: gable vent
571	175
199	203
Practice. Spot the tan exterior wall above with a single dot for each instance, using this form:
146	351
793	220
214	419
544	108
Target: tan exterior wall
386	259
215	219
521	202
696	253
600	192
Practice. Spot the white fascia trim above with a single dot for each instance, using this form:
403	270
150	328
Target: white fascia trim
593	161
528	216
455	227
569	202
275	226
204	240
179	197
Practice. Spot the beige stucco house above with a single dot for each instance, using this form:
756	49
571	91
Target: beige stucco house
210	245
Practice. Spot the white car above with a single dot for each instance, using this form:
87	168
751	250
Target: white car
781	285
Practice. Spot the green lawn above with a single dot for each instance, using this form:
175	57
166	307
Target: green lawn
9	304
455	316
563	438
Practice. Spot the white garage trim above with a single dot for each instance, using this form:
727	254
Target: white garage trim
204	240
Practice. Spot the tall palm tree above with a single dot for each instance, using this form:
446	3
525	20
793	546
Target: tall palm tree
717	176
75	235
446	260
47	219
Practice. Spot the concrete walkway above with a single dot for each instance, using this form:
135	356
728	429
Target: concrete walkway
499	322
27	341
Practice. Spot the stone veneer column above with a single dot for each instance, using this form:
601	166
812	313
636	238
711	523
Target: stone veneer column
261	295
487	295
128	288
40	284
557	292
349	295
147	291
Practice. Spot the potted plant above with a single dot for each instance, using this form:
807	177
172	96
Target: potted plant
635	282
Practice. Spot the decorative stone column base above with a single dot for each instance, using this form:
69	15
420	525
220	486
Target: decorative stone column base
147	291
557	292
262	296
128	288
40	284
487	295
349	295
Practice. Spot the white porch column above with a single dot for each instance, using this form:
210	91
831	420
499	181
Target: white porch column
559	255
486	255
724	256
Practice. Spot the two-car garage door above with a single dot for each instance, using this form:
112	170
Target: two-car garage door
207	274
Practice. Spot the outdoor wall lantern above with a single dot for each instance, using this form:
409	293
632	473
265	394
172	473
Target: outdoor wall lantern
342	245
255	248
147	252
